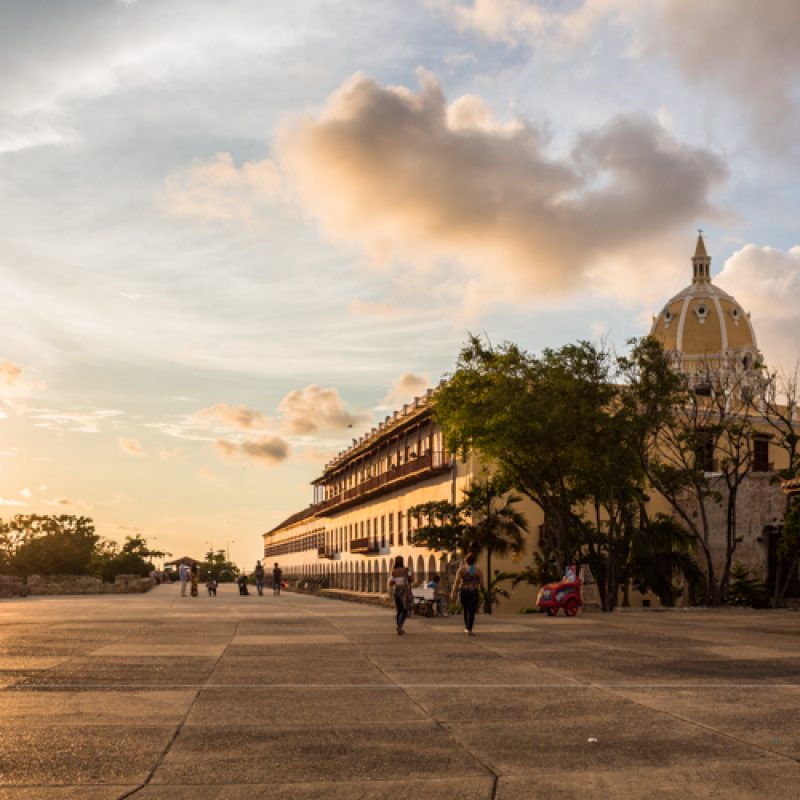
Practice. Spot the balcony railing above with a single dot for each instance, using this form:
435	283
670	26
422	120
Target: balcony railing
326	552
430	462
364	547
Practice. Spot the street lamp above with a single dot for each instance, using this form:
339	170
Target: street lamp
228	549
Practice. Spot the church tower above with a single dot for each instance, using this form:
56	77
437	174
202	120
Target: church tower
704	329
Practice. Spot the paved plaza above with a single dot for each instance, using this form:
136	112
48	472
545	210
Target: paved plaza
156	696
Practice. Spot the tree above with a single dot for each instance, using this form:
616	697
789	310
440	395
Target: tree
485	520
532	418
777	404
217	567
660	552
680	435
48	545
133	558
497	527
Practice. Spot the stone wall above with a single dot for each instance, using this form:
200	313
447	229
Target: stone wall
760	504
12	587
86	584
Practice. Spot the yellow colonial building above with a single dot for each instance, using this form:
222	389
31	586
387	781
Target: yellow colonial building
359	518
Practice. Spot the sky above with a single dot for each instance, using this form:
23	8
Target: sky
236	235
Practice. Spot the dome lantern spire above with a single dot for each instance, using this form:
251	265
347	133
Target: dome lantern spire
701	261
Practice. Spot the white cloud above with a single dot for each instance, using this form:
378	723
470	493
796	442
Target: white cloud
219	190
74	420
766	282
10	373
316	408
404	175
747	50
408	386
516	22
26	492
60	501
169	455
740	49
234	416
8	502
268	450
131	447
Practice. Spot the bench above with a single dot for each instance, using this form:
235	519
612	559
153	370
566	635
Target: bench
424	601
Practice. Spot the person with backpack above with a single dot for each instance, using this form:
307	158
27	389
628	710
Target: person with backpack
400	586
468	584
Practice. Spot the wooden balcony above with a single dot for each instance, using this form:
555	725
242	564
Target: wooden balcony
326	552
364	547
415	469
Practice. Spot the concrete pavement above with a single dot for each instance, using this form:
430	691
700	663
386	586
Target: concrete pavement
156	696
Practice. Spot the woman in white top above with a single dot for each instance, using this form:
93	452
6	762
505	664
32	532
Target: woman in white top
400	585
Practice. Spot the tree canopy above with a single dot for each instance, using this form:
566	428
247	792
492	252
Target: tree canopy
33	544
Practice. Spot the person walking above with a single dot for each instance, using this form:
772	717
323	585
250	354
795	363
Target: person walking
193	576
468	584
259	573
277	574
400	584
183	575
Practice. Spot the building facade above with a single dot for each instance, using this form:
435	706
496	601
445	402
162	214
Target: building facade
359	519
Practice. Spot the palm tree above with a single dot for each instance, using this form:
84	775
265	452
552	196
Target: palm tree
496	526
484	520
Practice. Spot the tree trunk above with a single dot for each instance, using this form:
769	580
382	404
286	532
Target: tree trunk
487	606
730	543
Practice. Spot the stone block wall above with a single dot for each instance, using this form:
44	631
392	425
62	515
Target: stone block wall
12	587
86	584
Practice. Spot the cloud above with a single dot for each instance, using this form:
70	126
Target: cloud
379	309
60	501
405	388
206	474
404	175
234	416
169	455
516	22
267	450
314	408
13	385
219	190
766	282
131	447
10	373
74	420
6	502
757	65
26	492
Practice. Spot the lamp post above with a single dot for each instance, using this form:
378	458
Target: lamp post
228	549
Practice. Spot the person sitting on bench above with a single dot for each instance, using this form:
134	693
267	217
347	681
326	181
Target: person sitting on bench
438	597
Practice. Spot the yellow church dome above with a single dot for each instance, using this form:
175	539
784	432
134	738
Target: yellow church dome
702	325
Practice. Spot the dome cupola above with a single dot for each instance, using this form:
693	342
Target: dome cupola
703	327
